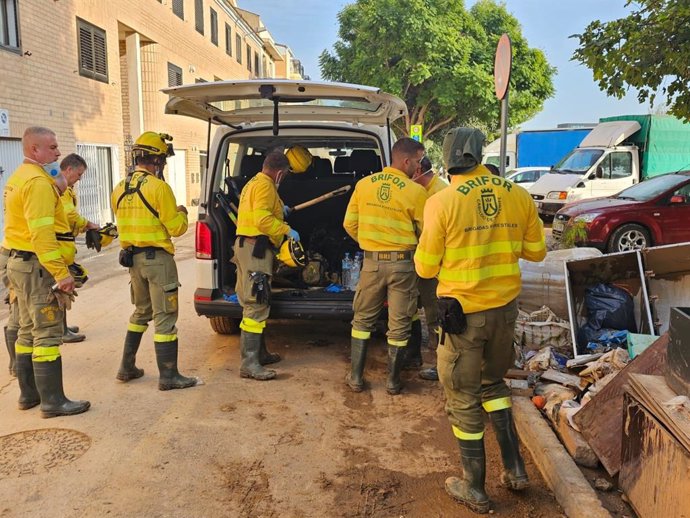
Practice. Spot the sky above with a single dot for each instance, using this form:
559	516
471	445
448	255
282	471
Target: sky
546	24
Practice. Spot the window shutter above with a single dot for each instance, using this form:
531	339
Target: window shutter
228	40
174	75
85	49
93	51
178	8
199	15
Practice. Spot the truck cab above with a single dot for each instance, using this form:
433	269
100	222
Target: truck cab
599	166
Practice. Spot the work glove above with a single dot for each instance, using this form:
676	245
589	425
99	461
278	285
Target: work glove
93	239
293	234
64	299
286	211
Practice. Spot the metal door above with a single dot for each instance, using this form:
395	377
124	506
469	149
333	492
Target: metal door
95	186
11	156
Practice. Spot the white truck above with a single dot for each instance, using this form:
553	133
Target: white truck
619	152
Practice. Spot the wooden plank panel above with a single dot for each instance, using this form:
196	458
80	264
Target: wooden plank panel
601	420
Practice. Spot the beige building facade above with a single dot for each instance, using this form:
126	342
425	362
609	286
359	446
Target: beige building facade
92	70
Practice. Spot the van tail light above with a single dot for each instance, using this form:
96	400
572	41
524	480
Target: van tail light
204	246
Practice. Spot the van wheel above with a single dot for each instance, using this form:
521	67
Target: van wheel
629	237
225	325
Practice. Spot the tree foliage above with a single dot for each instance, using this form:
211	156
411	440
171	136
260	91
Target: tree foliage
649	50
438	57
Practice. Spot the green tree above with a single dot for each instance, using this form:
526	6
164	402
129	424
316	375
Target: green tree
438	57
648	50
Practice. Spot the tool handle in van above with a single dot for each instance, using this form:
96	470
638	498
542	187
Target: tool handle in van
337	192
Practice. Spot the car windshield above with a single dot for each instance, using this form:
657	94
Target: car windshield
650	189
578	161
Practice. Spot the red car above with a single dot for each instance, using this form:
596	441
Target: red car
650	213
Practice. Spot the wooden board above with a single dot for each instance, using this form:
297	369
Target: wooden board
567	380
653	392
655	470
601	420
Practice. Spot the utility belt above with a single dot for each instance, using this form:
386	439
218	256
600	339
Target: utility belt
261	244
25	255
405	255
126	257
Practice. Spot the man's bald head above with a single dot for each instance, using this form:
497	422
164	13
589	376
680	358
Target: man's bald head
40	145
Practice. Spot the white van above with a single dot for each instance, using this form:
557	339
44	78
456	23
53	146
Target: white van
347	128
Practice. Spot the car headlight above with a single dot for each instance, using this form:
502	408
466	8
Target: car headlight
557	195
587	218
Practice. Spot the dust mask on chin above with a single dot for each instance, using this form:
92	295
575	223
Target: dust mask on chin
52	168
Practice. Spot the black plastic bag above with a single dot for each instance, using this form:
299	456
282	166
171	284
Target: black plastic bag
608	307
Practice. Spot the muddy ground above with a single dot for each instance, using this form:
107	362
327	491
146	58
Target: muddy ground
302	445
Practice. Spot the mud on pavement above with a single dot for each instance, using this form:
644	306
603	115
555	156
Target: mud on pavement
302	445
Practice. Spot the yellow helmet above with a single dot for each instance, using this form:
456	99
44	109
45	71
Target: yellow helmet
152	143
292	254
299	157
107	233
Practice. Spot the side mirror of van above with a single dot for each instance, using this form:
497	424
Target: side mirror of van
600	172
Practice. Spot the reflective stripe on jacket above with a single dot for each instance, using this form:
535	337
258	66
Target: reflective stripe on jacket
33	213
261	210
136	224
386	211
474	233
76	221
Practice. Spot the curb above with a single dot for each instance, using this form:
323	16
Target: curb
560	472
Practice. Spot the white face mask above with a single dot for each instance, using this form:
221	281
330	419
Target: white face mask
52	168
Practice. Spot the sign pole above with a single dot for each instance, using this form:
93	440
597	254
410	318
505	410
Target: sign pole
502	67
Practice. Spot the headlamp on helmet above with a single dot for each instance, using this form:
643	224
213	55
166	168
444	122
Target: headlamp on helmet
292	254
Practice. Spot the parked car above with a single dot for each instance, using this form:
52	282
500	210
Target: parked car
526	176
651	213
345	127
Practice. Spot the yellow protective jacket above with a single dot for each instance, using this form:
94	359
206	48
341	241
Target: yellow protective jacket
33	215
385	212
261	210
435	185
474	233
76	221
136	224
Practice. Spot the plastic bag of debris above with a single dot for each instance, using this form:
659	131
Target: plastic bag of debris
542	328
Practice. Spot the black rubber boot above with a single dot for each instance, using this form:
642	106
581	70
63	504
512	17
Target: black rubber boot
429	374
69	336
128	370
358	353
49	384
73	329
10	340
469	490
266	358
413	353
170	377
28	396
514	475
250	345
396	356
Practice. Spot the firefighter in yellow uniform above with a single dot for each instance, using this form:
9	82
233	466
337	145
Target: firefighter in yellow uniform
147	217
427	288
385	217
33	216
73	167
475	231
261	229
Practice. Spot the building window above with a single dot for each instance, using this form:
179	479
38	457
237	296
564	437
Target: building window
199	15
228	40
93	52
249	58
214	27
238	48
9	26
178	8
174	75
257	71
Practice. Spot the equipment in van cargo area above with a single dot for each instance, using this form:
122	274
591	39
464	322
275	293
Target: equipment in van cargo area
346	129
